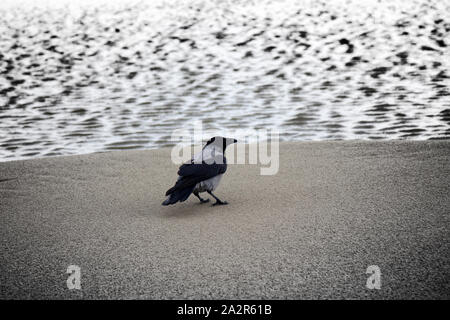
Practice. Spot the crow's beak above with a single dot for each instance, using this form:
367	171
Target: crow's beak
234	140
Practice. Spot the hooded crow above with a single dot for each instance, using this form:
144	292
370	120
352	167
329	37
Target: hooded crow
202	173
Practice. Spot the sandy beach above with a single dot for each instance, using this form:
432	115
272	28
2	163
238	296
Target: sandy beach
310	231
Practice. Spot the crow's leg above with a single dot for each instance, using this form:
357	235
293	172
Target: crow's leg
218	201
200	198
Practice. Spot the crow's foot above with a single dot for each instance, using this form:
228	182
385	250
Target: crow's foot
218	203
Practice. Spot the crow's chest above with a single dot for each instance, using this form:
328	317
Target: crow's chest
208	185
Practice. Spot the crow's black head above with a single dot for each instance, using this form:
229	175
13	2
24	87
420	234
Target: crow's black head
221	142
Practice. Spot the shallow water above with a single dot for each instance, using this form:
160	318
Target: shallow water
87	78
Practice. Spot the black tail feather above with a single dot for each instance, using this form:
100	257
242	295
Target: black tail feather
178	195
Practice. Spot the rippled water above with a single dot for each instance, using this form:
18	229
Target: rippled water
86	78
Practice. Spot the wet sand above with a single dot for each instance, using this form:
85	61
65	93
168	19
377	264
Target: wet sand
310	231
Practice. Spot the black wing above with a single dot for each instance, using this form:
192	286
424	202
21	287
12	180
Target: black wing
193	173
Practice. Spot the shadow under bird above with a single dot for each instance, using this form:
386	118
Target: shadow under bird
202	173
